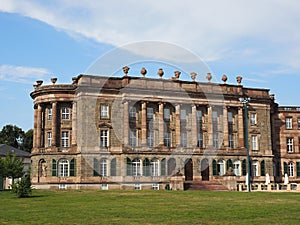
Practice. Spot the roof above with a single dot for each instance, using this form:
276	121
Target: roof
4	149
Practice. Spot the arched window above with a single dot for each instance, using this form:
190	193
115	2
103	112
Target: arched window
214	165
136	167
171	166
237	168
262	168
290	169
146	167
103	167
128	167
221	167
254	168
163	167
63	168
154	167
228	164
113	167
244	167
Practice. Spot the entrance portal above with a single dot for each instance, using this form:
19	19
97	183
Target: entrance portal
188	169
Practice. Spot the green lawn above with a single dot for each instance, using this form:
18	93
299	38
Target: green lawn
150	207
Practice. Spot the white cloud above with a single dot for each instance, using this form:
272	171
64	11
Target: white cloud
22	74
212	29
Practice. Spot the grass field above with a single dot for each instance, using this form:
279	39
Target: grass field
150	207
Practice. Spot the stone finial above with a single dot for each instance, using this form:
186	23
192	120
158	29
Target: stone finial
75	80
143	71
125	70
193	75
177	74
224	78
53	80
208	77
160	72
39	82
239	80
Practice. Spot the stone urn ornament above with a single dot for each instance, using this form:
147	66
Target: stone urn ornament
224	78
125	70
143	71
208	77
39	82
239	80
193	75
160	73
177	74
53	80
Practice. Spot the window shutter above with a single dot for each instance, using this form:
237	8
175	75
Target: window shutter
244	167
128	167
96	167
146	167
298	169
214	164
163	167
113	167
73	167
54	168
228	164
262	168
285	167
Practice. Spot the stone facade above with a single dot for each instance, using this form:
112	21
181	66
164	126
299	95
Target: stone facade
137	133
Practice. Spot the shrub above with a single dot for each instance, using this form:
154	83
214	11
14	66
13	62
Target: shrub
22	188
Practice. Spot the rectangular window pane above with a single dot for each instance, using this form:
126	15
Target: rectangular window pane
150	138
166	114
229	117
65	139
167	139
290	145
49	138
231	140
104	111
200	140
132	138
132	112
253	119
288	123
199	115
104	138
254	142
298	123
182	114
49	114
216	140
149	113
183	139
65	113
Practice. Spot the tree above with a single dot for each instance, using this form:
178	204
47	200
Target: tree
11	135
13	166
2	172
28	140
23	187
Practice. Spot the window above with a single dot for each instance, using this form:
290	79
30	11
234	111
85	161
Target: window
221	167
231	140
163	167
49	115
65	139
49	139
113	167
298	123
215	117
166	114
63	168
104	140
290	145
132	112
288	123
150	138
183	139
104	112
253	120
254	143
200	140
154	167
199	116
136	167
229	117
254	168
183	114
149	113
103	167
167	139
155	186
290	169
137	187
65	113
236	168
215	140
132	138
104	186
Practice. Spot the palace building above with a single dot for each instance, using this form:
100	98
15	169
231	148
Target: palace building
102	132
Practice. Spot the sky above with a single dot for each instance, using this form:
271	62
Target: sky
258	40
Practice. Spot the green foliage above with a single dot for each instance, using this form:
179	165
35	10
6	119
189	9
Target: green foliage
22	188
2	172
13	166
16	137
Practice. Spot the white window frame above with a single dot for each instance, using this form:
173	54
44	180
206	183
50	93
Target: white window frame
136	167
104	111
103	167
237	168
254	142
65	113
63	168
65	139
221	164
289	123
253	119
154	165
290	145
215	140
231	140
132	138
200	140
150	138
104	187
290	169
49	114
155	186
254	168
137	187
104	138
49	139
167	139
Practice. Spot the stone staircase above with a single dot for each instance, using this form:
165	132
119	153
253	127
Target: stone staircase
204	186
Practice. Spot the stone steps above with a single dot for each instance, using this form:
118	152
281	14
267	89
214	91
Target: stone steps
204	186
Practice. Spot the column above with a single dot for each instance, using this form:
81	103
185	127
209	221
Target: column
209	126
225	126
54	124
177	125
39	126
35	128
74	123
161	124
125	123
144	124
241	127
194	127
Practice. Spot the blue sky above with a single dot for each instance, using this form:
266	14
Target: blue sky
259	40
